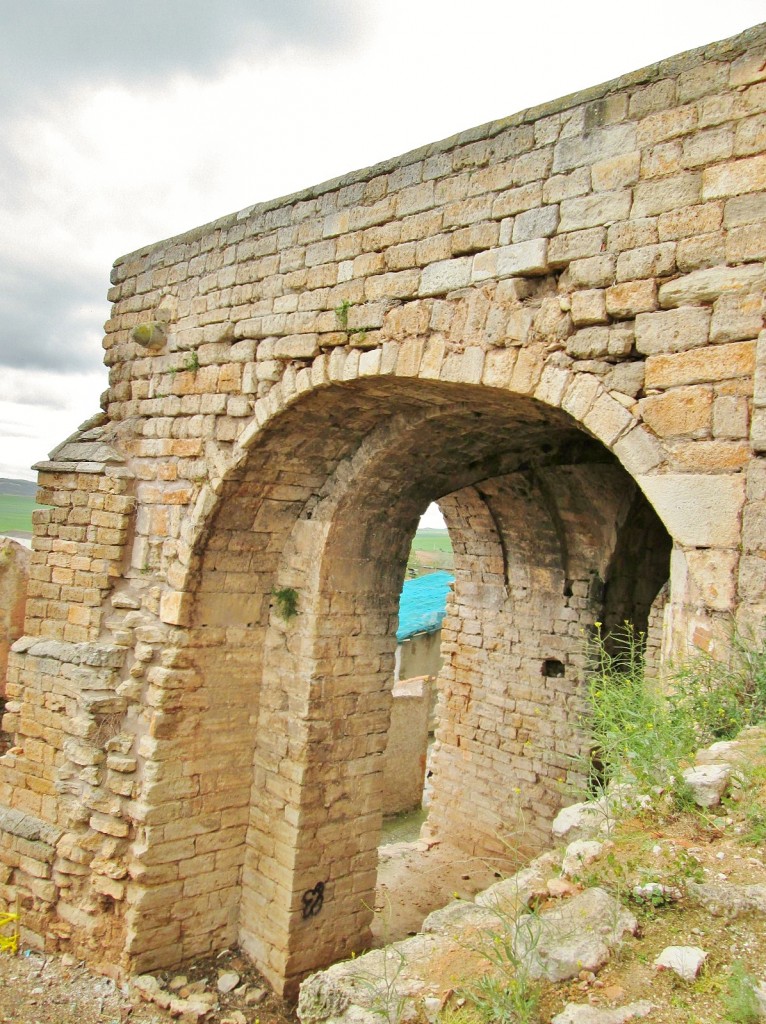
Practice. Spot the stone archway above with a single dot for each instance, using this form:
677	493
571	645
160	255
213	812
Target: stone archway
543	309
323	503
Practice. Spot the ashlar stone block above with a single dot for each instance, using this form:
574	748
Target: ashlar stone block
673	330
699	511
589	307
682	412
707	284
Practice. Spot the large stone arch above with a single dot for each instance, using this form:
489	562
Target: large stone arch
325	502
563	311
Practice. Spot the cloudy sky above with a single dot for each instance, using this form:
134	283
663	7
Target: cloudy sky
127	122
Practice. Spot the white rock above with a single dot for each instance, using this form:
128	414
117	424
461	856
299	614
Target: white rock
685	961
228	982
432	1007
579	855
727	899
147	985
576	1013
516	893
708	783
581	821
716	752
574	936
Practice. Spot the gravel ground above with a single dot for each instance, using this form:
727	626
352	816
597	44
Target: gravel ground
43	989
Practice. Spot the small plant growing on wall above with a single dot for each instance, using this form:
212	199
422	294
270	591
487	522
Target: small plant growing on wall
341	314
286	602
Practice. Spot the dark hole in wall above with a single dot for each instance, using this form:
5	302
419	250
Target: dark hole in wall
553	668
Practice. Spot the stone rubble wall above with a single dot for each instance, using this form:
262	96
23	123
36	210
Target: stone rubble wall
14	572
562	309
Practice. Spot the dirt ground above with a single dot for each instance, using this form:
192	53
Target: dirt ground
415	878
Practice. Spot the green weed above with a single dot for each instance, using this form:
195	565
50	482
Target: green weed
341	314
740	1001
507	993
632	736
716	699
286	600
646	737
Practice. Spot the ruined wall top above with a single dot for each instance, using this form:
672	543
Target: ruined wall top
682	64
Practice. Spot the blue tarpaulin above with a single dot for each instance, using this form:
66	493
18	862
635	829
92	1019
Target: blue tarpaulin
423	603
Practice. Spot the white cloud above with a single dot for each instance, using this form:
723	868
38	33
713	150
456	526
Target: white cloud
117	156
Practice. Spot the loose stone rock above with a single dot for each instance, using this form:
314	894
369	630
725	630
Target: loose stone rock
580	854
579	935
726	899
228	982
581	821
708	783
575	1013
256	996
685	961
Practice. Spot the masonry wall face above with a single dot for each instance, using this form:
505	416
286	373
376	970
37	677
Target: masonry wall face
558	319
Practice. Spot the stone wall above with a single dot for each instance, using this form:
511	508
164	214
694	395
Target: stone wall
419	655
557	318
14	570
404	767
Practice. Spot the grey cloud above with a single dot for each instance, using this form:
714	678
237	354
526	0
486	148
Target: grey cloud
54	44
50	320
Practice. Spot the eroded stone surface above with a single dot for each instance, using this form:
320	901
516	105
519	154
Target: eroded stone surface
685	961
575	1013
708	782
577	935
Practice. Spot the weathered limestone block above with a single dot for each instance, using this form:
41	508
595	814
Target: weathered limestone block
589	307
574	1013
721	363
599	342
707	285
624	301
699	511
578	935
680	412
672	331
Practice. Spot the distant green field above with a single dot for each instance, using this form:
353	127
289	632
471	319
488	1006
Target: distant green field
16	513
432	540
